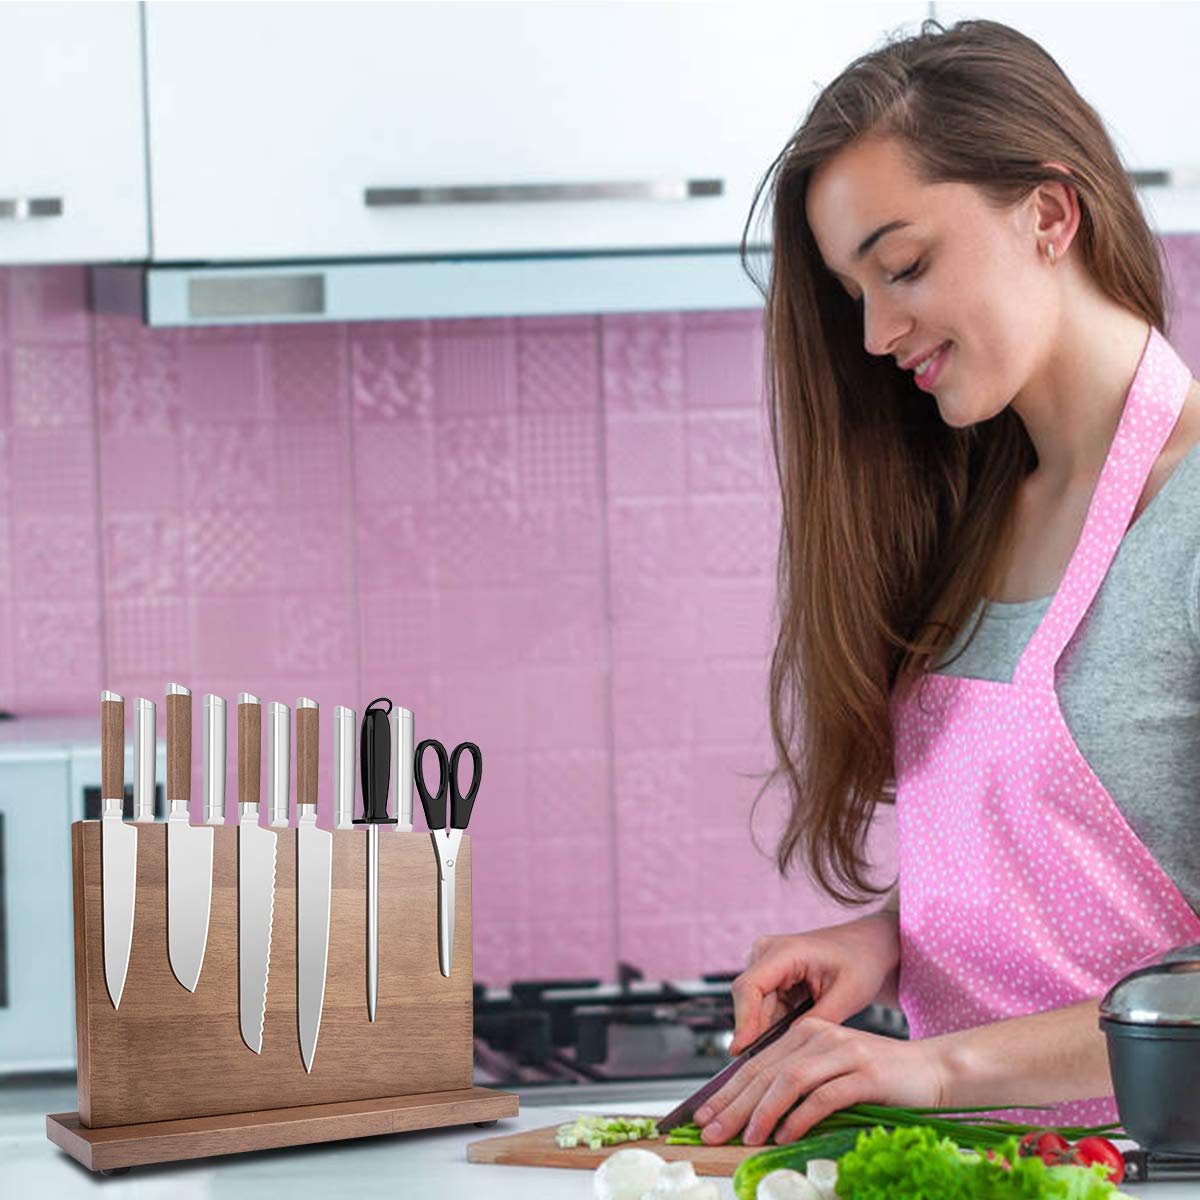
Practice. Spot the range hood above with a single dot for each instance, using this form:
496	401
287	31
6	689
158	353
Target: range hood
173	294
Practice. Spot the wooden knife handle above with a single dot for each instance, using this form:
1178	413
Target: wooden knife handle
179	746
112	748
307	743
249	752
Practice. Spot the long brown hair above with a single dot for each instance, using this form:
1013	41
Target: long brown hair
893	522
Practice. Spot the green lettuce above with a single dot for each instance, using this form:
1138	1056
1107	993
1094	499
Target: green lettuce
914	1162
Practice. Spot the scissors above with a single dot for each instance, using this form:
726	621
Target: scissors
446	841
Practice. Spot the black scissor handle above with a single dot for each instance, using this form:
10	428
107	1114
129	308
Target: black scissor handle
434	803
460	805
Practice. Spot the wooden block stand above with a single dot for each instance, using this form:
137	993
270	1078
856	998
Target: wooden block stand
167	1076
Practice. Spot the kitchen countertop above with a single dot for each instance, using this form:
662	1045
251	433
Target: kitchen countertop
378	1168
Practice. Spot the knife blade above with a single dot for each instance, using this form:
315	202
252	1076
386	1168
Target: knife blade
682	1113
189	849
118	847
256	877
314	874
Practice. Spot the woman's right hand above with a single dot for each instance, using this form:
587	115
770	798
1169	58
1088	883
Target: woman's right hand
844	966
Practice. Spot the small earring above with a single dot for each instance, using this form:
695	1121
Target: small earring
1050	252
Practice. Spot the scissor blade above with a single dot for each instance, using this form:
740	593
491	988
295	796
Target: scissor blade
314	864
446	920
118	865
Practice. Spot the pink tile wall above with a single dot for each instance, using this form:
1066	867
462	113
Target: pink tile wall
554	537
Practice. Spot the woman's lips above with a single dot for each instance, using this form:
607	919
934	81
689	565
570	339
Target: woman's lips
928	380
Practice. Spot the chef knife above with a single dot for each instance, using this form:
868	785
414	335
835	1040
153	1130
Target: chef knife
118	847
685	1112
189	849
314	867
375	753
256	877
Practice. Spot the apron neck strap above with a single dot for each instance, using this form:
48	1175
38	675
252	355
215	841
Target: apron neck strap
1152	406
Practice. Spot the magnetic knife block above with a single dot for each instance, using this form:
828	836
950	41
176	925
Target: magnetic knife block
167	1076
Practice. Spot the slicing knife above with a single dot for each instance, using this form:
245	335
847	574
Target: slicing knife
118	847
256	877
314	874
189	849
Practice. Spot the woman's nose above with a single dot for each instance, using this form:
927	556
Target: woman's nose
883	326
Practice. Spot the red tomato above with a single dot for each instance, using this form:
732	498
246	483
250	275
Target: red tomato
1046	1145
1101	1150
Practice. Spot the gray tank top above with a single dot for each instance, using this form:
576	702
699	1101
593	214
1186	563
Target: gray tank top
1129	680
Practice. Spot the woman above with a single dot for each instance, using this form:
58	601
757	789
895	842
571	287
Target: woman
972	402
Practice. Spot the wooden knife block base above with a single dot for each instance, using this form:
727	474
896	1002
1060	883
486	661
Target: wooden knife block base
117	1148
167	1075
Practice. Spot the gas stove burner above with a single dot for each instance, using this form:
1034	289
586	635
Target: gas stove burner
1143	1165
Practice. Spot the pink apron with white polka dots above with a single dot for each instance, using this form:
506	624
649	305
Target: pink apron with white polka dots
1022	887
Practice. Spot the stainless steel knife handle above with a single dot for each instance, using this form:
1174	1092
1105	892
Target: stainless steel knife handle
308	717
402	767
279	762
249	750
179	749
345	722
145	750
214	760
112	750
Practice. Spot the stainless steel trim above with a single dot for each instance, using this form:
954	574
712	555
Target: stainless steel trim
112	696
1167	177
177	689
21	208
488	193
279	760
344	724
305	702
247	698
256	295
144	749
214	760
402	767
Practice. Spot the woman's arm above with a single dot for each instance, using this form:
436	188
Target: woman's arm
1061	1054
890	910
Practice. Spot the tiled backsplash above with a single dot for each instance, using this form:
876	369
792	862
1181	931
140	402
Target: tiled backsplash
553	537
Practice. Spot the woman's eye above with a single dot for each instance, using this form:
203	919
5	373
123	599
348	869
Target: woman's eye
911	271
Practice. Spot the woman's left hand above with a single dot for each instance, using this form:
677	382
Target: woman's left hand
834	1067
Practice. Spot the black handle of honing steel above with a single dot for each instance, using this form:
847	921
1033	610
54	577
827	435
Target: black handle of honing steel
375	762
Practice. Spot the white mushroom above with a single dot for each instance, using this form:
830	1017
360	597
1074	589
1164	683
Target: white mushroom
786	1184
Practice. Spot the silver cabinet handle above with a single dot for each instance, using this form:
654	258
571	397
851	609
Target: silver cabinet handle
680	189
23	207
1167	177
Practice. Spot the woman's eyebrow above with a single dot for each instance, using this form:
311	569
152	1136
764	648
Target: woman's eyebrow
870	240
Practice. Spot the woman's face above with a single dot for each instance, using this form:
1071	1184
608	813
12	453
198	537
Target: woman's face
958	271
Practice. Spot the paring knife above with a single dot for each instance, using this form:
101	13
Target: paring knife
375	752
256	877
314	868
189	849
685	1112
118	847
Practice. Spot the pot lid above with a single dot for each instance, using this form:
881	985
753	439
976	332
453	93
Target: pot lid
1164	989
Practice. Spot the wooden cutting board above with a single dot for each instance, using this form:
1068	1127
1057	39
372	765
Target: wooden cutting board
537	1148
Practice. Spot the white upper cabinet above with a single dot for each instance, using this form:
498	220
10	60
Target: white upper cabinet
72	138
1135	62
320	130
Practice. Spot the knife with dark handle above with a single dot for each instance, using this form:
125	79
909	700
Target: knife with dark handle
118	847
685	1112
189	849
314	875
256	878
